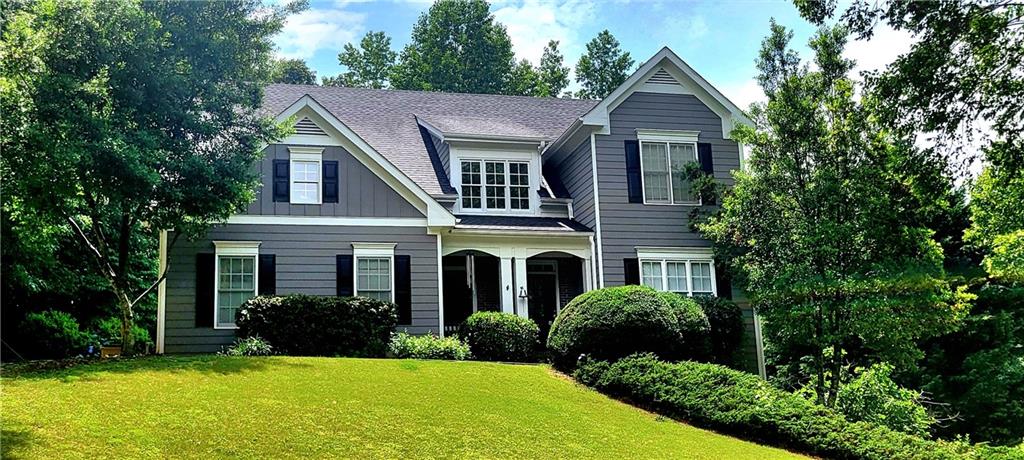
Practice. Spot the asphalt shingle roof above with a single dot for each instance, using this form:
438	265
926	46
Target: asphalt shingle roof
386	119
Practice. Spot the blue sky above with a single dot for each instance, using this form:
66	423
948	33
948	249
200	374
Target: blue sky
718	39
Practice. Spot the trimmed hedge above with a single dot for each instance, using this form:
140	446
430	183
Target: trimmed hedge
612	323
494	336
405	346
739	403
726	321
693	326
304	325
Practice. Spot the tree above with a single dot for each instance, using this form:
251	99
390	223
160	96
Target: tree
603	68
824	230
553	74
124	118
458	47
524	80
997	223
292	71
369	65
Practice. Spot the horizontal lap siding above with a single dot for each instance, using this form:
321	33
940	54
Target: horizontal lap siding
305	264
361	192
576	172
625	225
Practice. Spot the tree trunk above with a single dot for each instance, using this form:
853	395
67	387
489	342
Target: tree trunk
127	322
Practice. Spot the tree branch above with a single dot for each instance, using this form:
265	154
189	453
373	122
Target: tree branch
162	276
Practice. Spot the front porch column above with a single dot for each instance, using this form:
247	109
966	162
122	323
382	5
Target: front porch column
507	289
522	301
588	276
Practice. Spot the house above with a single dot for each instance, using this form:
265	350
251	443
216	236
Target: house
449	204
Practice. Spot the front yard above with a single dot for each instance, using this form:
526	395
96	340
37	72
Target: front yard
314	407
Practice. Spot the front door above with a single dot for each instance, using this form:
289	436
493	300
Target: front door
542	288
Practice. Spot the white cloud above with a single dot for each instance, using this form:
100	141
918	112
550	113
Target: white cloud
327	25
743	93
531	23
883	48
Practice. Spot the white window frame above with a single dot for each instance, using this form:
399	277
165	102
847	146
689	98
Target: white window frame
233	249
373	251
689	256
666	137
306	155
507	185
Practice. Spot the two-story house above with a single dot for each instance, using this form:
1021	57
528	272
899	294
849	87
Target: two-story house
447	204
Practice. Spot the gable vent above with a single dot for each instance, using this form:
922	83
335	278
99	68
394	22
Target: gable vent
306	126
661	77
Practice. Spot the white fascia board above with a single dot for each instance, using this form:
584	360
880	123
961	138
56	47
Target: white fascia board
373	249
237	248
666	135
650	252
436	214
254	219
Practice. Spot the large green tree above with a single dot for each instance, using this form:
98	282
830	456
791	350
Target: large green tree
603	68
369	65
126	117
553	73
825	229
292	71
457	46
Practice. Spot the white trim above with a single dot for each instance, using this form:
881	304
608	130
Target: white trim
507	186
685	255
335	221
668	160
374	251
305	155
233	249
667	135
440	289
237	248
597	211
305	151
665	252
759	346
161	295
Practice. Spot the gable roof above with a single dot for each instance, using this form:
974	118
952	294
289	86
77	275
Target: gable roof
387	119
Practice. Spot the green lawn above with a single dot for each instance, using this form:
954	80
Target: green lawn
215	407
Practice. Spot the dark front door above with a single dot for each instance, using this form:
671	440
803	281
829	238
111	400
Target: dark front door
543	299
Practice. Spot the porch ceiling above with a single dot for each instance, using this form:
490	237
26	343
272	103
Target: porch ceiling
517	224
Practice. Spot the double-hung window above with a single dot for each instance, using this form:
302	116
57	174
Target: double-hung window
236	281
306	181
664	156
374	267
688	273
495	184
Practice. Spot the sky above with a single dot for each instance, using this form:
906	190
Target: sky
720	40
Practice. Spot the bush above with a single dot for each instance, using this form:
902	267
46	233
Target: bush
494	336
614	322
249	346
872	396
306	325
51	334
693	326
428	347
108	331
739	403
726	321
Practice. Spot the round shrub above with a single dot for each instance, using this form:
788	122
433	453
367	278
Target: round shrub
51	334
612	323
726	322
405	346
693	326
494	336
304	325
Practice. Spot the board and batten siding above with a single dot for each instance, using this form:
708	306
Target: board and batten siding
305	264
361	193
625	225
576	173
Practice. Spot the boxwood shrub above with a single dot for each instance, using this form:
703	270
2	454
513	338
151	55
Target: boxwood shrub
716	397
612	323
694	328
726	323
428	347
304	325
494	336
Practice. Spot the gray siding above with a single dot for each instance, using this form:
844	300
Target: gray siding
305	263
443	152
625	225
576	172
361	192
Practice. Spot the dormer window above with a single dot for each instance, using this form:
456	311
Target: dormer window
495	185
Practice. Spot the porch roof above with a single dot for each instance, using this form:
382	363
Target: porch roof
517	223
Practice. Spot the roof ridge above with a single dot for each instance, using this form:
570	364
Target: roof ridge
393	90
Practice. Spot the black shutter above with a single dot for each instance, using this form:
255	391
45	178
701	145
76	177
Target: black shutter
632	271
205	273
268	274
704	156
330	182
403	289
345	275
281	181
633	174
723	282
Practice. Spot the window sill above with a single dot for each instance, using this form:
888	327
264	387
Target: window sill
647	203
226	328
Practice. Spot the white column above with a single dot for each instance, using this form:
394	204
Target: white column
588	279
522	302
507	289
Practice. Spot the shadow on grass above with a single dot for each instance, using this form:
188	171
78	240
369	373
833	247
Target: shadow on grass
209	364
14	442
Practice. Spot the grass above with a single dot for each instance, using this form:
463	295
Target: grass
212	407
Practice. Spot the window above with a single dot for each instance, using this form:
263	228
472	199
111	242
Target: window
305	177
504	185
374	273
687	271
237	274
664	171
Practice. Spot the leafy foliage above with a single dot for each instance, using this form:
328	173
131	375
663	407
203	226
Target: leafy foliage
997	223
249	346
726	328
603	68
292	71
826	230
304	325
405	346
51	335
108	331
525	80
369	66
553	73
694	329
495	336
723	399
